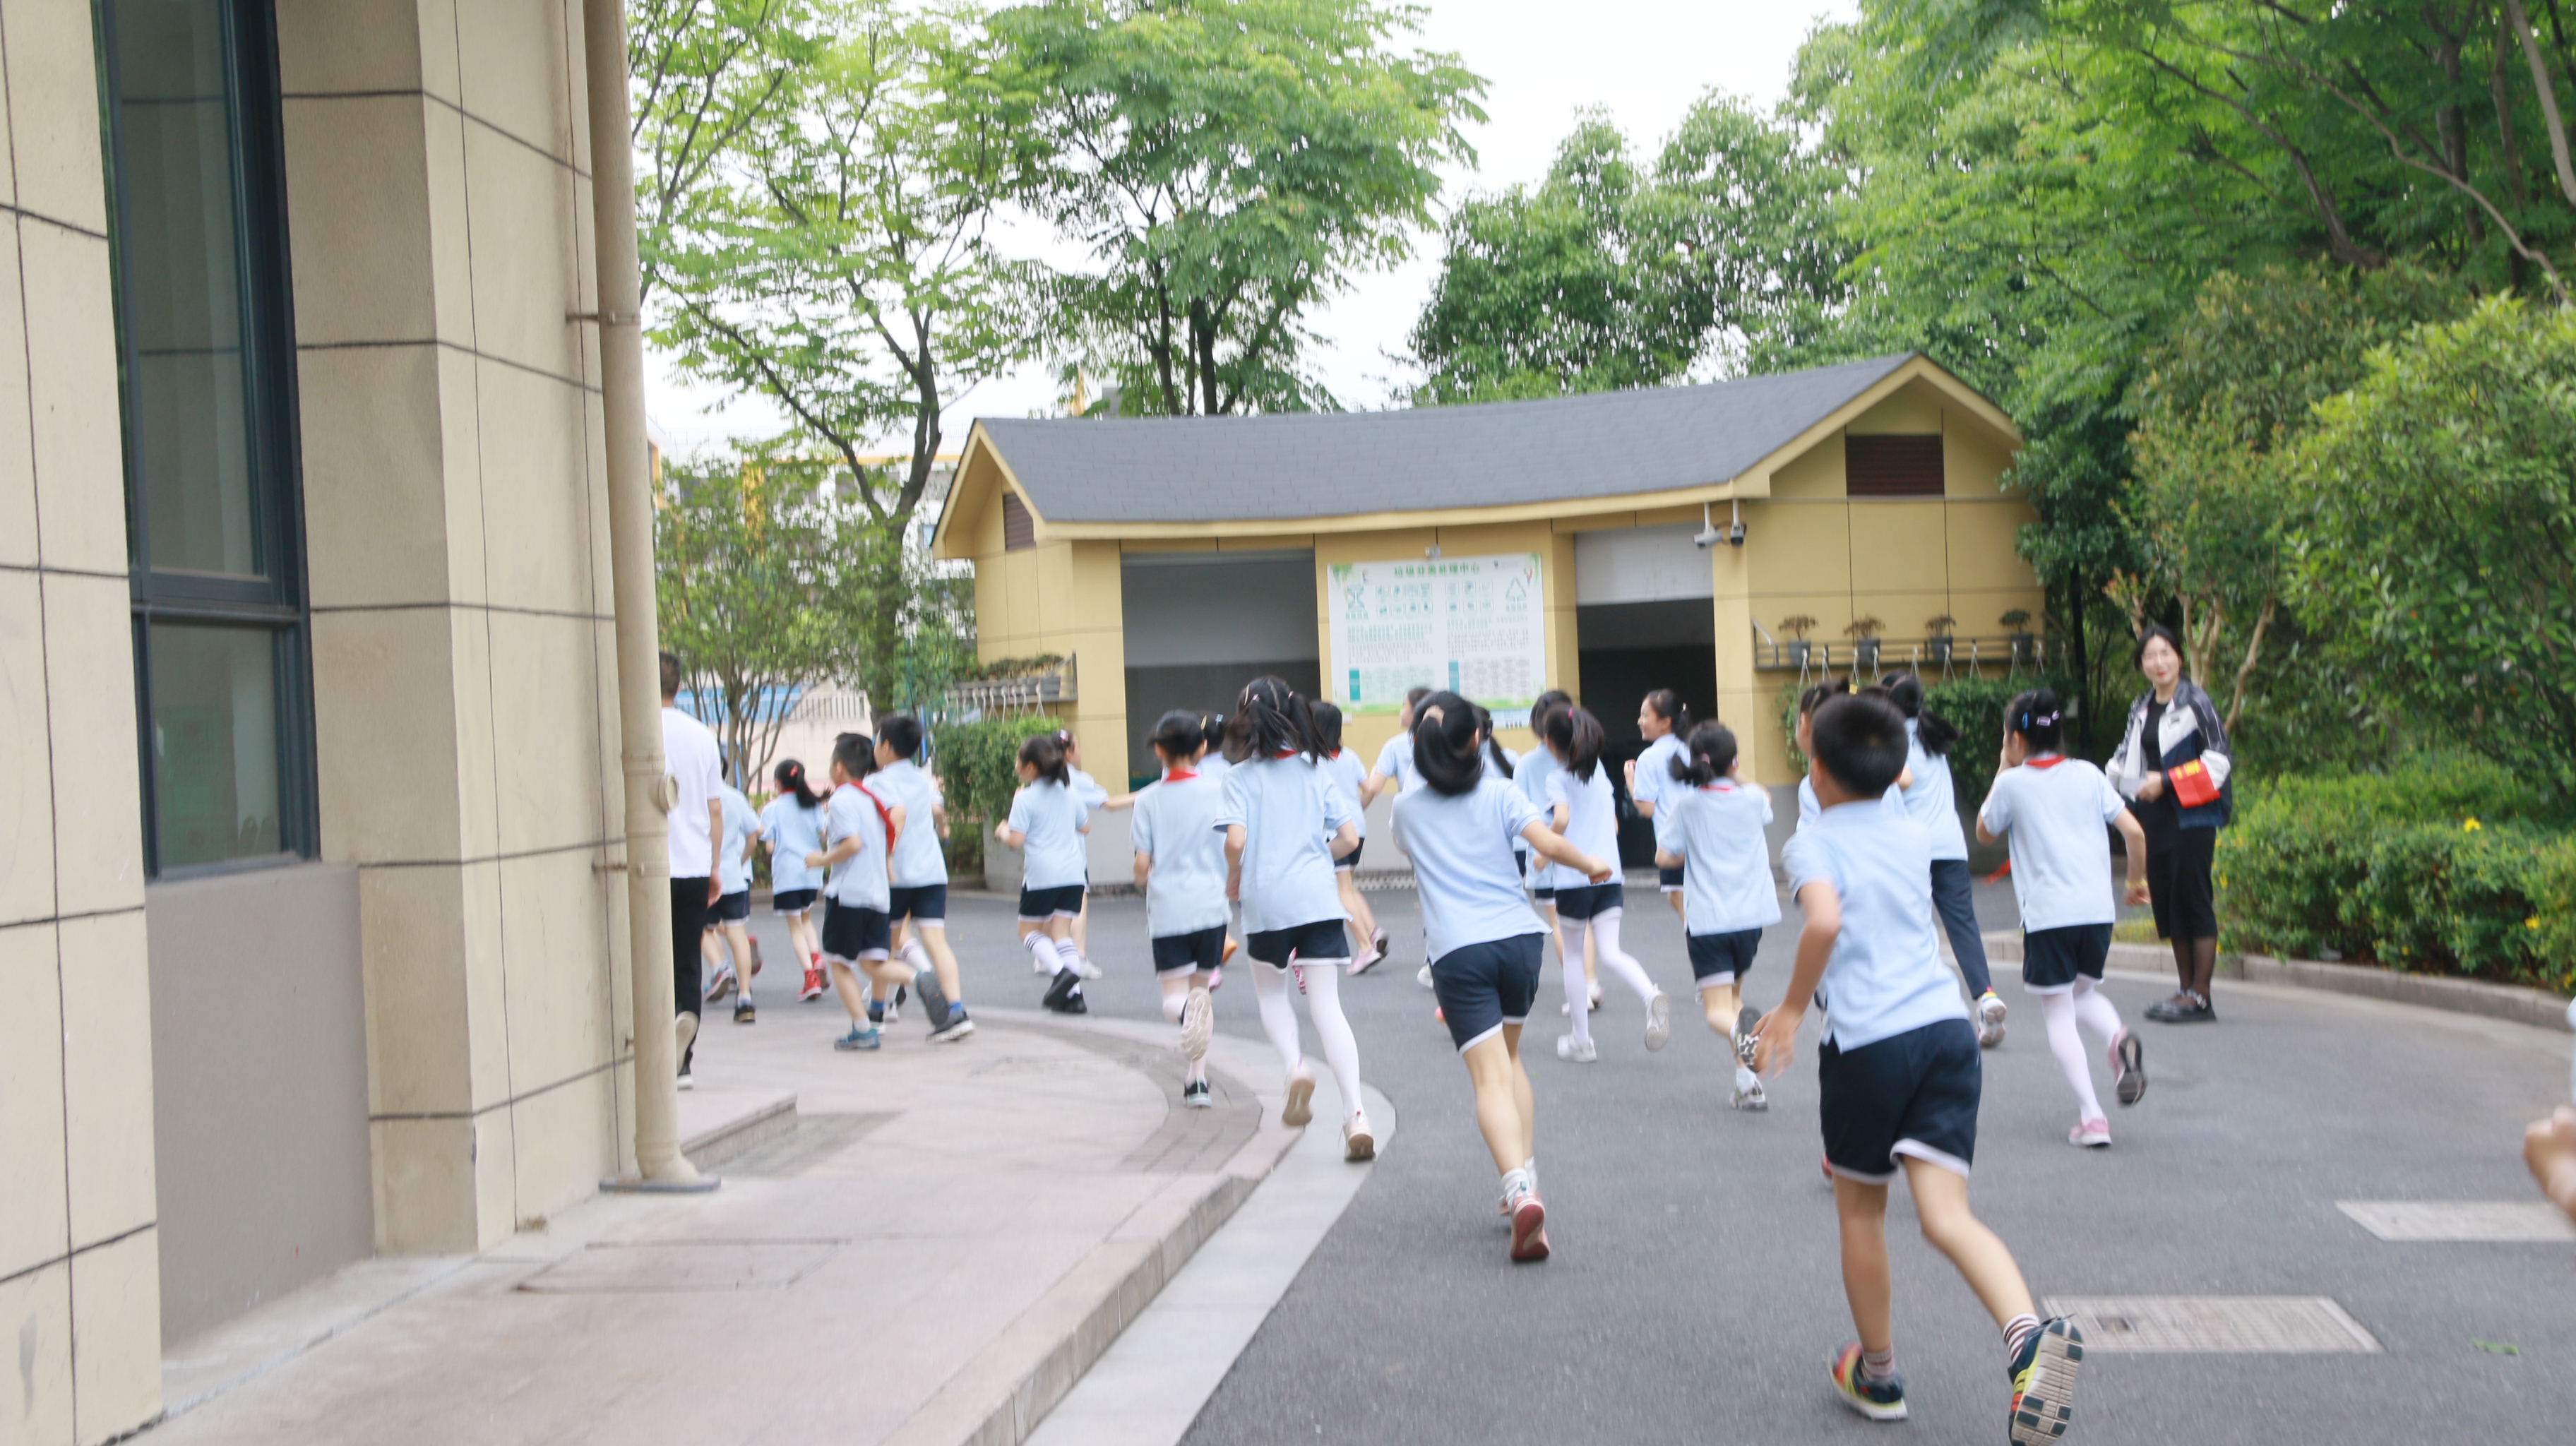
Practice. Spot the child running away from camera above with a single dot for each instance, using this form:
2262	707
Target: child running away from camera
1709	828
1899	1072
1180	864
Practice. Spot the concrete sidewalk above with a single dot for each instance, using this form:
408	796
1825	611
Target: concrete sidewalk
931	1247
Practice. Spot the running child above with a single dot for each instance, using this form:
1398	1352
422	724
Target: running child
1395	766
1899	1072
1665	723
1047	823
1280	810
1463	829
1213	767
1344	766
1711	824
1536	767
792	825
1087	789
729	922
1586	814
1808	702
1180	864
2054	807
1930	797
917	902
857	935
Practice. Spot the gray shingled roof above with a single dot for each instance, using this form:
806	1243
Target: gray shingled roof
1332	464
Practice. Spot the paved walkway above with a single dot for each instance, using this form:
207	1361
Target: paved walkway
939	1227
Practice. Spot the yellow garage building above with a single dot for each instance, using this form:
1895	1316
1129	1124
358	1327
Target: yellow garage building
1715	539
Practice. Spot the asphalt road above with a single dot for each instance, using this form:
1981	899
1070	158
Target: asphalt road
1694	1293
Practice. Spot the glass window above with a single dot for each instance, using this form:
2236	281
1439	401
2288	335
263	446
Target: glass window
206	345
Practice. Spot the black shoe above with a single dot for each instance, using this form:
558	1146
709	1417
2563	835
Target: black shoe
2182	1009
744	1013
1196	1095
1062	996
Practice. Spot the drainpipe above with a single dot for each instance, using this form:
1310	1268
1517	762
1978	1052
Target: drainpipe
630	552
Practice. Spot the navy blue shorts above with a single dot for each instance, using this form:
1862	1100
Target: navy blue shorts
1669	879
2052	958
1909	1094
1585	901
851	935
925	902
730	909
1351	860
1482	987
793	901
1723	958
1039	905
1324	941
1188	953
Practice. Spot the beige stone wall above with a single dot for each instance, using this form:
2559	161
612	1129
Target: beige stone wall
79	1243
456	520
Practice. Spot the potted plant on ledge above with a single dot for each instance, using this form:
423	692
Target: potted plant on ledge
1937	641
1864	635
1796	625
2025	647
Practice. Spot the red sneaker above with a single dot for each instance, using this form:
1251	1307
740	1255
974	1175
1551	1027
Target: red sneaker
1529	1228
813	985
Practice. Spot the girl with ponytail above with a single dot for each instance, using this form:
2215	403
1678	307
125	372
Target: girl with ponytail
1712	824
1180	864
791	823
1586	814
1930	799
1664	721
1461	828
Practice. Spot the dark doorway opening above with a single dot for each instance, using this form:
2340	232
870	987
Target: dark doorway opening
1625	651
1200	625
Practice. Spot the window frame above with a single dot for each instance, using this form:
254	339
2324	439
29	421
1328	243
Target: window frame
277	603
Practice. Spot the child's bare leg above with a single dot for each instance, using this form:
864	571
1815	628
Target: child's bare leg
1521	1094
852	991
1078	929
1502	1101
738	939
1720	1003
1363	924
943	960
1941	1200
1862	1210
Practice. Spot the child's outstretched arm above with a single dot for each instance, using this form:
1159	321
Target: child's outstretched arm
1777	1034
2133	838
1553	848
1144	866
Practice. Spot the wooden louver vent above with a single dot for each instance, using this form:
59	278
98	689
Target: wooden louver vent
1019	531
1892	466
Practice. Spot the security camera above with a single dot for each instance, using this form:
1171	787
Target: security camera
1710	535
1735	535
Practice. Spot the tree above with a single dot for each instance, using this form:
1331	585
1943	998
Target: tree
2436	537
704	74
1229	163
838	258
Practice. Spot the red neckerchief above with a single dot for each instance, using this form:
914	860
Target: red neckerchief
2044	762
885	819
1285	753
1723	785
1179	775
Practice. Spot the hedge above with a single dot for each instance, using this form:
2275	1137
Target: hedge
1975	706
2442	864
978	767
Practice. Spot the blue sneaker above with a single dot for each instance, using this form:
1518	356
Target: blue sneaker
858	1038
2043	1383
1876	1399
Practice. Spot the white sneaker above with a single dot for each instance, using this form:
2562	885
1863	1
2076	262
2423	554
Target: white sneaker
1424	978
1198	1022
1990	1021
1358	1144
1659	1021
684	1032
1301	1098
1085	967
1749	1094
1576	1051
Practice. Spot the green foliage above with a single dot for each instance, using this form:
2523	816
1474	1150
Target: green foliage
1230	163
2436	543
978	767
2448	863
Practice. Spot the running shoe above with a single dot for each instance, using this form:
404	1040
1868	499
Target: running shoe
2128	1068
1379	939
1879	1400
1423	978
1060	996
744	1012
1358	1143
2043	1383
1576	1051
1368	957
1301	1095
686	1083
1198	1024
813	986
1196	1095
1747	1020
2090	1135
723	984
1659	1021
957	1027
1085	967
859	1037
684	1032
1990	1020
1751	1098
1529	1225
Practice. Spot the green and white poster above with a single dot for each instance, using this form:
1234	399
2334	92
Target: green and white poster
1476	626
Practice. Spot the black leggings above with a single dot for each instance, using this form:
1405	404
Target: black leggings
688	923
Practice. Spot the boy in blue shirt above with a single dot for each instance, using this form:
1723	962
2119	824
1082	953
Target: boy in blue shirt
1898	1071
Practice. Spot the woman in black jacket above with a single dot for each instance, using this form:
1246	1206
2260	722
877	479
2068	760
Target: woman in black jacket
2172	724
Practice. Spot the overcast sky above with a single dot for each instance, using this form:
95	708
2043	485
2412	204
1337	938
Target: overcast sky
1642	61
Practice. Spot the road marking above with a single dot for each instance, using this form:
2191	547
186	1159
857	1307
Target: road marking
2234	1324
2508	1221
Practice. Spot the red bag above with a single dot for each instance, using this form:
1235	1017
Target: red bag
2191	785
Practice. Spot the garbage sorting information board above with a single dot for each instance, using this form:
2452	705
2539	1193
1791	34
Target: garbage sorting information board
1476	626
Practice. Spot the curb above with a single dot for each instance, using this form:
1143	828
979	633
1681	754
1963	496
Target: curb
2517	1003
1001	1395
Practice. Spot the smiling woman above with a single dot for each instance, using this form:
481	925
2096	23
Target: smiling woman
2173	763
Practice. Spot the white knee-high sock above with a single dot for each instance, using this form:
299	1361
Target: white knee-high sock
1043	945
2093	1009
1578	994
915	955
1341	1048
1605	934
2059	1012
1278	1016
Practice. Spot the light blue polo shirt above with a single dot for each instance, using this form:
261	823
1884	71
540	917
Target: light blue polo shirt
918	859
2052	810
1347	773
1591	819
742	826
1051	816
1175	826
1885	975
1932	800
1718	831
1655	782
1461	847
859	881
1087	788
793	831
1287	807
